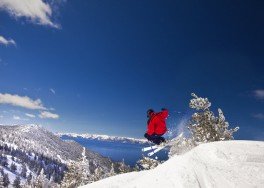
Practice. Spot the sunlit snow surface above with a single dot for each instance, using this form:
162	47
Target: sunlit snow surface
219	164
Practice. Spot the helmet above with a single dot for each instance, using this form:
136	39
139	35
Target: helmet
149	112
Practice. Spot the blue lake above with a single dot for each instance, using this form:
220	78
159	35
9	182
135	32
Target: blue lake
116	150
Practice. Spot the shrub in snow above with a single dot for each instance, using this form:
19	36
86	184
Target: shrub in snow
181	147
147	163
123	168
205	126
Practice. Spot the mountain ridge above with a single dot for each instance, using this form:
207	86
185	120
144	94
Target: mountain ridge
104	137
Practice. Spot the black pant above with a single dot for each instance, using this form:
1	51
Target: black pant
155	138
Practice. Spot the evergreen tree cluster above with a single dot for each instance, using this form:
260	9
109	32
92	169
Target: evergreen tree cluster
205	126
42	167
83	171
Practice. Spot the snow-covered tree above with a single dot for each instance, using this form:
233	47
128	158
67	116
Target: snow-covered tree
180	147
78	172
72	178
98	174
13	167
85	169
29	178
52	183
24	171
41	180
1	180
17	182
123	168
112	171
147	163
205	126
6	180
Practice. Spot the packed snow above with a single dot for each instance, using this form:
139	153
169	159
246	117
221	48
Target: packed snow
217	164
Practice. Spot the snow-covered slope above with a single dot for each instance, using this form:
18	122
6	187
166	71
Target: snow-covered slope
219	164
33	138
104	137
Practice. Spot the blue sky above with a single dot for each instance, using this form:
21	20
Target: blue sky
97	66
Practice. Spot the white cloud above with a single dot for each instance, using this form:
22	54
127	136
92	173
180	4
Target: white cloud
36	11
30	115
22	101
259	94
52	91
16	117
259	116
5	41
46	114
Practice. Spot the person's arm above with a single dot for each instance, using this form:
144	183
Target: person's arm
164	113
151	128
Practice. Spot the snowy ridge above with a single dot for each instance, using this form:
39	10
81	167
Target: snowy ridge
218	164
34	138
103	137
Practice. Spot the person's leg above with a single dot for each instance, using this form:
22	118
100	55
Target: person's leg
159	138
150	138
155	138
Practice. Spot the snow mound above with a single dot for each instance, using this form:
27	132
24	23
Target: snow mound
218	164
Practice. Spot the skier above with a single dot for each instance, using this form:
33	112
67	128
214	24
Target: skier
156	126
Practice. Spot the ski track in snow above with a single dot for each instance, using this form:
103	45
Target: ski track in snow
214	165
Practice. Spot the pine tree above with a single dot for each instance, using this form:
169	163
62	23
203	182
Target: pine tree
24	171
123	168
16	182
72	178
1	180
13	167
29	178
98	174
6	180
84	168
41	180
52	183
112	171
205	126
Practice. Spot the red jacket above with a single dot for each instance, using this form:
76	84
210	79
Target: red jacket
157	124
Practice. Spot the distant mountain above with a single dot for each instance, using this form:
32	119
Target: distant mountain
38	148
37	139
104	137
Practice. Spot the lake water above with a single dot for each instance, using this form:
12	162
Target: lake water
117	151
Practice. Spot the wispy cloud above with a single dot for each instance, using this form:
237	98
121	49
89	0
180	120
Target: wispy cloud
37	11
30	115
259	94
21	101
259	116
48	115
16	117
52	91
5	41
